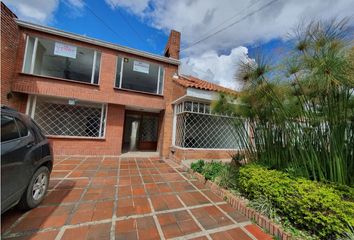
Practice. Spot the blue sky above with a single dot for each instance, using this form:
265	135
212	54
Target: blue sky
129	30
145	25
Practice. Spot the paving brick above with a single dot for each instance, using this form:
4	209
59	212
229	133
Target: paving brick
236	215
233	234
193	198
61	206
38	236
210	217
97	231
258	232
176	224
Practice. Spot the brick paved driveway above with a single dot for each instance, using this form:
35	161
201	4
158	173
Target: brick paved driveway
112	198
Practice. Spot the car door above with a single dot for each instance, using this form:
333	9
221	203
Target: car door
16	142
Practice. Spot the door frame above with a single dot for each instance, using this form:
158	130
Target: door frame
141	114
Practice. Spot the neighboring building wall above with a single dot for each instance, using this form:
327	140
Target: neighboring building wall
111	145
9	50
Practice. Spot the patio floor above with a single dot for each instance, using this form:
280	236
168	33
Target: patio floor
127	198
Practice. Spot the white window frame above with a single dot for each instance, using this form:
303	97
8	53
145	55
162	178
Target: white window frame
158	77
34	55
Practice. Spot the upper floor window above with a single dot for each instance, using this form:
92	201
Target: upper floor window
139	75
61	60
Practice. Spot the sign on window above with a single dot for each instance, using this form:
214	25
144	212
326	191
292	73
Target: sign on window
65	50
141	67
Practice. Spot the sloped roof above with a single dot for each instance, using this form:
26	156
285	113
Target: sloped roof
193	82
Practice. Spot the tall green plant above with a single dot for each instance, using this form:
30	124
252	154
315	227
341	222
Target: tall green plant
304	122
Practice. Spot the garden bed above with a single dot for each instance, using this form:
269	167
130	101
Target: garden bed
309	210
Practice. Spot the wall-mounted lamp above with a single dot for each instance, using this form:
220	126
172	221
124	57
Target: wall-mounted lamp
175	76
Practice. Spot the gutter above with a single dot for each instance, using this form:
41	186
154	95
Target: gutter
94	41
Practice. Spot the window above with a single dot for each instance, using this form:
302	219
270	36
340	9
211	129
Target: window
196	107
22	128
139	75
9	129
69	117
197	127
61	60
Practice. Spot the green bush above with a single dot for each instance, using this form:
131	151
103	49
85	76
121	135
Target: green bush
212	170
227	177
309	205
198	166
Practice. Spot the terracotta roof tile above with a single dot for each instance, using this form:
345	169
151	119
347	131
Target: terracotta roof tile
193	82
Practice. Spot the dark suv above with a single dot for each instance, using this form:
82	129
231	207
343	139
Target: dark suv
26	161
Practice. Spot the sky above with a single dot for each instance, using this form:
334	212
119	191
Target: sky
216	35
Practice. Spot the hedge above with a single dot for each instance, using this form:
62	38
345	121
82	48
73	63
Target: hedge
313	206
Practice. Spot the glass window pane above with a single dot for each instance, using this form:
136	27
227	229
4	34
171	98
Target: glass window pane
201	107
29	53
119	65
61	60
139	75
22	128
195	107
207	108
58	117
9	129
188	106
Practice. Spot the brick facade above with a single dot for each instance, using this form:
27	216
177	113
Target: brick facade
179	154
111	145
9	51
16	86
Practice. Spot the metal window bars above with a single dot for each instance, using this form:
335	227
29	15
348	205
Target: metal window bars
197	127
60	118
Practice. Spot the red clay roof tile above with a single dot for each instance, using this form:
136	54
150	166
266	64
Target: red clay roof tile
193	82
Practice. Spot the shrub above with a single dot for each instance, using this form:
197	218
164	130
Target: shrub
198	166
212	170
312	206
227	177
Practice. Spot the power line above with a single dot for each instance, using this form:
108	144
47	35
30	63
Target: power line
104	23
232	17
232	24
130	26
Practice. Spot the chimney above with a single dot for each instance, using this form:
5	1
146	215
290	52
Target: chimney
173	45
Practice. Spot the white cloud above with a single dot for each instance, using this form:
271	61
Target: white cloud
197	18
41	11
77	3
135	6
34	10
216	68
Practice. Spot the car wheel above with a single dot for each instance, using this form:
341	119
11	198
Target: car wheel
36	189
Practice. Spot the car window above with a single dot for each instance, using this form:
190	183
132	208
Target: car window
9	129
37	130
22	128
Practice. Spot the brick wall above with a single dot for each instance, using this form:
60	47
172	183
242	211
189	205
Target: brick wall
9	50
173	45
111	145
105	92
179	154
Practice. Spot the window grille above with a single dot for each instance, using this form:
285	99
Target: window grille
196	127
57	117
148	128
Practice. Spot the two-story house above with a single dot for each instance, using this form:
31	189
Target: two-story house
92	97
